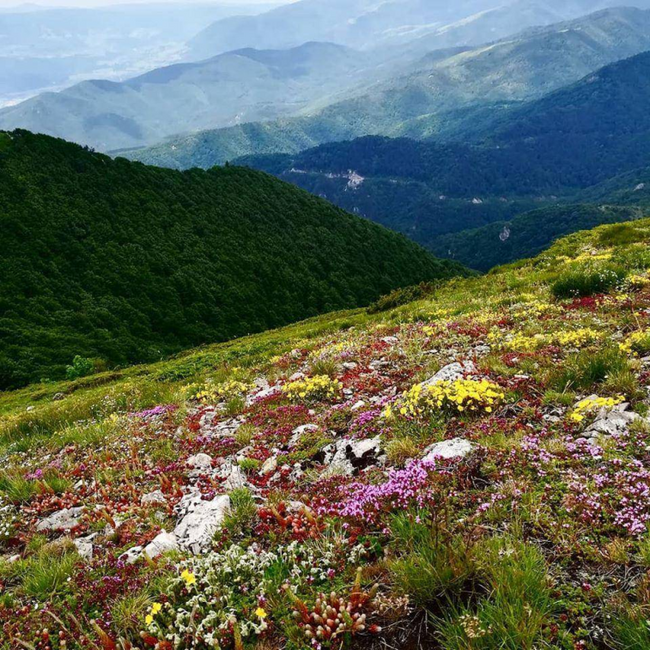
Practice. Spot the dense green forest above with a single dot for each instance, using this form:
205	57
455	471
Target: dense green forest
114	260
526	235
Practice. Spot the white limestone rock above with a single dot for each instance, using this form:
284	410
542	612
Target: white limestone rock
61	520
451	372
200	520
153	498
456	449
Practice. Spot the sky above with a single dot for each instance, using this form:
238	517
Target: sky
103	3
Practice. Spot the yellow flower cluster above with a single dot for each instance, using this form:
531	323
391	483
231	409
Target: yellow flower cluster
225	391
522	343
462	395
155	609
534	308
637	281
578	338
593	256
636	343
312	389
593	404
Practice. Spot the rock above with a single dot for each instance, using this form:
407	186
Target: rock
200	520
297	376
359	405
269	466
390	340
84	546
452	372
199	461
58	397
132	555
612	421
163	543
348	457
349	365
153	498
61	520
458	448
379	364
235	479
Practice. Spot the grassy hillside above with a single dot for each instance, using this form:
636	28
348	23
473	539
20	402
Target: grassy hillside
112	260
528	234
316	439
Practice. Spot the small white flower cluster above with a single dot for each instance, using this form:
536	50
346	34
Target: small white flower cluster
8	520
227	589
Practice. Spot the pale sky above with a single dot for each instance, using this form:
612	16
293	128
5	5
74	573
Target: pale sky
103	3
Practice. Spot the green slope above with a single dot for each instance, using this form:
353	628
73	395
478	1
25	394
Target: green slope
111	259
527	234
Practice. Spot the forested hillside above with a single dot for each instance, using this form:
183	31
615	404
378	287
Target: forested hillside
113	260
527	234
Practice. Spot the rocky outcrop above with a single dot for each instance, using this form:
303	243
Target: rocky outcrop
199	520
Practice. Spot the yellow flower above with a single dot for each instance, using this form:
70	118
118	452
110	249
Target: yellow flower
260	613
148	619
155	608
190	578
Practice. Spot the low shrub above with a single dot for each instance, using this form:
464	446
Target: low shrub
587	281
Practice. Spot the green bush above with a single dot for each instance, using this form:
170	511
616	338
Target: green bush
403	296
587	369
81	367
587	281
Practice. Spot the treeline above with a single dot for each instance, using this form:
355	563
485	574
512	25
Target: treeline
114	260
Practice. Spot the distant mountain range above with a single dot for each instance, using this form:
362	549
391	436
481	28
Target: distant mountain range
242	86
43	49
110	259
447	96
585	143
322	92
366	24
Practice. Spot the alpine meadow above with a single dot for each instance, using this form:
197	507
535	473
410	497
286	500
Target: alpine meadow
325	325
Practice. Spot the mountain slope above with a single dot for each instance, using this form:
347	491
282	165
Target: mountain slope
463	94
483	450
107	258
426	189
374	23
44	49
527	234
241	86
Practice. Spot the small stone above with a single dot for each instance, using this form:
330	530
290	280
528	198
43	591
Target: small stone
269	466
451	372
458	448
153	498
199	461
132	555
163	543
61	520
359	405
58	397
200	520
235	479
390	340
84	546
348	457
